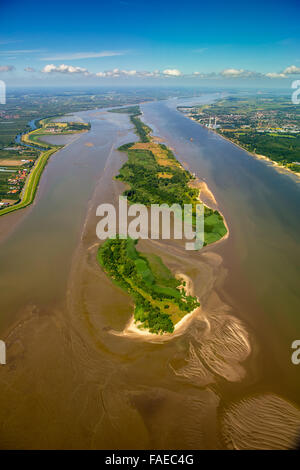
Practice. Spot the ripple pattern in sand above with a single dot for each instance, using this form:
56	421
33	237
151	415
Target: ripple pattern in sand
261	422
194	370
225	347
218	350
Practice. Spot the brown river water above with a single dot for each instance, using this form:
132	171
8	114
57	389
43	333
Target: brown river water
227	381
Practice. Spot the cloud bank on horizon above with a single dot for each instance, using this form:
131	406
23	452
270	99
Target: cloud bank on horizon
229	73
53	70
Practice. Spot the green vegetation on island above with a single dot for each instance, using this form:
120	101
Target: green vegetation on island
160	299
141	129
126	110
155	176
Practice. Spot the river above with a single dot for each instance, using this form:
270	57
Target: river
71	383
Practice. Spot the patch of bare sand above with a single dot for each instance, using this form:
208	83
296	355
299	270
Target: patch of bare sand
211	203
280	168
214	206
204	191
262	422
213	258
219	343
135	329
157	139
10	162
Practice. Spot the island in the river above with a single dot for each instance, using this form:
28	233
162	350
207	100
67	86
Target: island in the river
154	176
160	299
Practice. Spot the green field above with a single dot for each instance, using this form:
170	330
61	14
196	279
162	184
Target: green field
160	301
31	183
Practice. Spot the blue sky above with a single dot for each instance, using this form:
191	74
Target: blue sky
153	42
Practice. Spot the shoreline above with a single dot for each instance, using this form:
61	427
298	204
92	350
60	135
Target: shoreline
210	194
198	184
132	328
28	193
276	165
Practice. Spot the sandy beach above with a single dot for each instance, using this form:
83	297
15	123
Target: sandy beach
211	204
133	329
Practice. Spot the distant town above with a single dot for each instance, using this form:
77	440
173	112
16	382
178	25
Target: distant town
265	125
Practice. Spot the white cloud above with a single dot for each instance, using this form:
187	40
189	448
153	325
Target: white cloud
83	55
20	51
204	75
101	74
6	68
275	75
172	72
229	73
130	73
292	69
237	73
116	73
50	68
155	73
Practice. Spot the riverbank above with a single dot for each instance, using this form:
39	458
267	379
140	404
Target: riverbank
260	157
211	203
276	165
31	184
